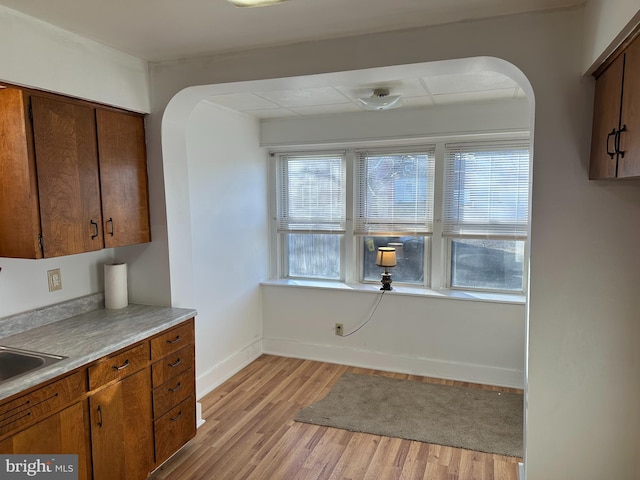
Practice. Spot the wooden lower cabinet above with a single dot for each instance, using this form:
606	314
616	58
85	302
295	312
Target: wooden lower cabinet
121	429
174	429
62	433
122	420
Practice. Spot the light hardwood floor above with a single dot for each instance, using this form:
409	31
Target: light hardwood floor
249	434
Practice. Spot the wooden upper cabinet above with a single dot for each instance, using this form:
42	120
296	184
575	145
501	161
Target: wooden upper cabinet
123	177
68	182
629	161
19	208
615	140
73	176
606	120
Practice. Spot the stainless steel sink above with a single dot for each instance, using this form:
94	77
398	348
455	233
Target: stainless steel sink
14	361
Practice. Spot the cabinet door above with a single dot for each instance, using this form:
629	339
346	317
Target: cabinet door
123	178
19	213
122	430
68	181
629	163
606	119
64	432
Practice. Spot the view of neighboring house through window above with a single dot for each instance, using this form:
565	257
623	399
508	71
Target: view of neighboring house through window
334	209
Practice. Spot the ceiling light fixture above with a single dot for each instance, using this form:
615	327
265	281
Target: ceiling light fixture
380	100
254	3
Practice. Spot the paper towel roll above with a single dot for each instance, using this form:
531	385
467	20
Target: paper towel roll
115	286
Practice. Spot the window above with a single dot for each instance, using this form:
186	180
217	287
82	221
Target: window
311	215
394	207
486	214
472	215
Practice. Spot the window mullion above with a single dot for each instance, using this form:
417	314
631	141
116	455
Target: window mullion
350	263
438	243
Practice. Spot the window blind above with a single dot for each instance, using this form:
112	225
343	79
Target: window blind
486	190
311	193
394	192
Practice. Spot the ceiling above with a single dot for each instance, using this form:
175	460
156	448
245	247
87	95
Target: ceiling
425	91
157	30
162	30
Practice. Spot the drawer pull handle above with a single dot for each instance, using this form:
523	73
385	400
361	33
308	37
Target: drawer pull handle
124	365
176	363
175	419
178	387
99	415
25	404
110	221
16	419
175	340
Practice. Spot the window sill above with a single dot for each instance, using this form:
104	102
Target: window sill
511	298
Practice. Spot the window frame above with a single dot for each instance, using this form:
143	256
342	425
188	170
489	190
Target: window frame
437	247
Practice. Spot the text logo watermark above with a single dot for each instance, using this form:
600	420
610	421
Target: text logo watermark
49	467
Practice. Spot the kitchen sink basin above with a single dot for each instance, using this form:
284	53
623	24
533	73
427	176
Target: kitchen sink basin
14	361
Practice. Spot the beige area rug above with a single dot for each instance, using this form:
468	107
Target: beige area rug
461	417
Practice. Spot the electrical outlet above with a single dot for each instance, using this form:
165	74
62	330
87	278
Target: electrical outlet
55	279
339	329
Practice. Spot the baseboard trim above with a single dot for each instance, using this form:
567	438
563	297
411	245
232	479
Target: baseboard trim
396	363
225	369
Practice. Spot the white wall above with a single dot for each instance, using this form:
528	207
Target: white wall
35	54
227	178
24	285
440	337
482	118
583	387
607	23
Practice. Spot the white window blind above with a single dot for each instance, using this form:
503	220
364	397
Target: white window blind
311	193
394	192
486	190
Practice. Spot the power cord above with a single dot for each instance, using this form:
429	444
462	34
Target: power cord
368	319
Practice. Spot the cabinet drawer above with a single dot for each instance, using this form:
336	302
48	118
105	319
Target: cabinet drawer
173	392
172	365
34	405
119	365
174	429
172	340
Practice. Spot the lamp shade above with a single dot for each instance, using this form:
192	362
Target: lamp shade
386	257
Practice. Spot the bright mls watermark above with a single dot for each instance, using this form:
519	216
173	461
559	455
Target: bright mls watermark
50	467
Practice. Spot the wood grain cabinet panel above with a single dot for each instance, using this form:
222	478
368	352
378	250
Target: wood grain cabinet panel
74	176
615	139
173	340
122	430
67	166
119	365
63	433
123	177
28	408
19	207
173	364
174	429
173	381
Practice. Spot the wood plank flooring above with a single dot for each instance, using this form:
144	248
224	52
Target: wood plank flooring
249	434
